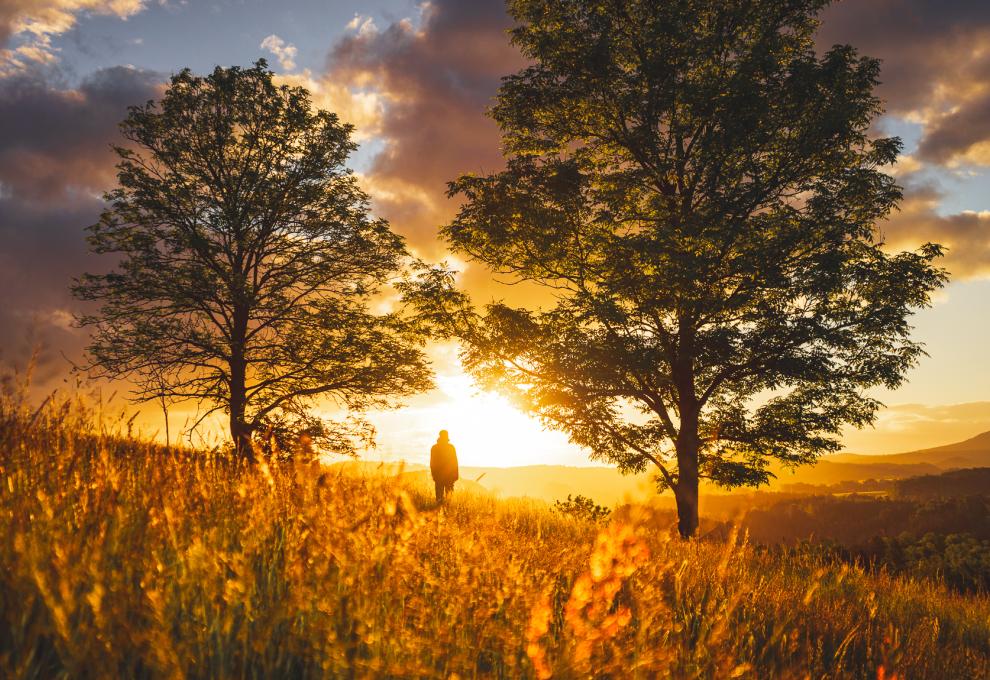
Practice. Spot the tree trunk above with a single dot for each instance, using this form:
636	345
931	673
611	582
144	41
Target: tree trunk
686	491
241	434
168	437
687	442
686	496
240	431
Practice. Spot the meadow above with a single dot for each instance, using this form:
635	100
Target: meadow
121	558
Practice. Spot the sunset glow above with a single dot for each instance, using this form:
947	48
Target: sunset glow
486	429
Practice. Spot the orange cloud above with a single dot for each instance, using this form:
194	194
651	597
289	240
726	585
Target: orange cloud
362	108
433	82
966	235
936	67
36	22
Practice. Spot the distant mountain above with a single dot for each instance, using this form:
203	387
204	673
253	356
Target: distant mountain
852	467
607	486
973	452
828	471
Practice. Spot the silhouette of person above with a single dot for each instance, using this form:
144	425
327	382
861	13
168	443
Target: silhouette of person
443	465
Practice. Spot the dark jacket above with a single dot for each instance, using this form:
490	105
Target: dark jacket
443	463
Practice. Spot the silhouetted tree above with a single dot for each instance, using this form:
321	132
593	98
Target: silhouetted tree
698	194
247	263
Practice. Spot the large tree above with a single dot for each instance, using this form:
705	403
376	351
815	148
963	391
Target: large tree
698	192
248	263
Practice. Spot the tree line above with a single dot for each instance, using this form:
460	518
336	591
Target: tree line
944	538
697	189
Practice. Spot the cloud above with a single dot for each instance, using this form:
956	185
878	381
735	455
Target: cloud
966	235
910	427
362	108
284	52
962	136
936	67
33	24
362	25
431	81
54	140
936	73
55	162
433	78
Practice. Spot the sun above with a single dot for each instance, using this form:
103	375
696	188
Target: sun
489	430
486	428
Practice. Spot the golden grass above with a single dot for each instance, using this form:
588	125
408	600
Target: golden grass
121	559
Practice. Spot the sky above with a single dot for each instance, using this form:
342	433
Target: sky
415	78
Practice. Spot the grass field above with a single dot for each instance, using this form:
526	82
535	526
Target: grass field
122	559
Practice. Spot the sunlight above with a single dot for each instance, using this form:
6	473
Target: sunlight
489	430
486	429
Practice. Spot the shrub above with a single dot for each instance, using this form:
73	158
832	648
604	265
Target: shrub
582	507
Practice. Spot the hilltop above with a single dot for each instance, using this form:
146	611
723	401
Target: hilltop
972	452
124	559
850	467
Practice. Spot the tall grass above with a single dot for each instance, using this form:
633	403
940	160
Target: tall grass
123	559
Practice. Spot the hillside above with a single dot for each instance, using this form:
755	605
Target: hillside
972	452
951	484
826	471
122	559
554	482
851	467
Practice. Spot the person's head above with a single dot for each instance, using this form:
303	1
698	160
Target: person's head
443	436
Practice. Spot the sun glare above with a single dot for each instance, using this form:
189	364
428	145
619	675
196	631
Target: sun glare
486	429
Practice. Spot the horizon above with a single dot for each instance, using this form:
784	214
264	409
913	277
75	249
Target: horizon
593	464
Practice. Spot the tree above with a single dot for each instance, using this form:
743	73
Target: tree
698	194
248	262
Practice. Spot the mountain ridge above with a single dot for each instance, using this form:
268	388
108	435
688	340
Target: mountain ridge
972	452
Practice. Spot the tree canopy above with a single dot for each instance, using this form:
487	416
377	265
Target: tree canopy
248	264
699	192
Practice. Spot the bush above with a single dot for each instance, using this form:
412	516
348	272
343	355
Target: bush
582	507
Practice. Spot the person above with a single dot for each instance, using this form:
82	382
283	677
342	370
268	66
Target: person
443	465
